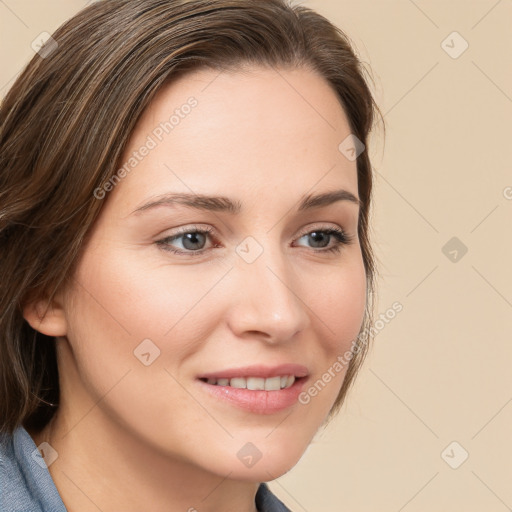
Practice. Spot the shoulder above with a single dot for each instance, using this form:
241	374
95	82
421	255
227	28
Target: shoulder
266	501
25	482
13	486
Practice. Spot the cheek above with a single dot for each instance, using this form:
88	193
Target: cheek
119	301
122	300
352	304
339	313
136	296
340	305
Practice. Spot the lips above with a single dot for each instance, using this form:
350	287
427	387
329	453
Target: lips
255	388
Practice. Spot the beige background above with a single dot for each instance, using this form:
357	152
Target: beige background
439	371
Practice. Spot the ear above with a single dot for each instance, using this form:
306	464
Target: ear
46	317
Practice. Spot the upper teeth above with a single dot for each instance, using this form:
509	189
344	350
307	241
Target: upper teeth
256	383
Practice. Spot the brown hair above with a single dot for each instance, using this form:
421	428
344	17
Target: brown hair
65	123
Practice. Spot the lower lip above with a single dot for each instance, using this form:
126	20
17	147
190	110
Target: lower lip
257	401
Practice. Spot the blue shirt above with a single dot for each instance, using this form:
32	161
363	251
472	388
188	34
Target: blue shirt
27	486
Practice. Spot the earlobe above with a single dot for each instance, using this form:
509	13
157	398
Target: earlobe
46	318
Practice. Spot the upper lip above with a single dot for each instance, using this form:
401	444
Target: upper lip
258	371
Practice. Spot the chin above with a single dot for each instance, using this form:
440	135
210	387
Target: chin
261	471
260	461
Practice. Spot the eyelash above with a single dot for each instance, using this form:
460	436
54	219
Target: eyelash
341	238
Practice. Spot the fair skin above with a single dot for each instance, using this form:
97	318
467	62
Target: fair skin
133	437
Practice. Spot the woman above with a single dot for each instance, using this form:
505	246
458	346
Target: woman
187	273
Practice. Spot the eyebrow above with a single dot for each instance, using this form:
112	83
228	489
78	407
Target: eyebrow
225	204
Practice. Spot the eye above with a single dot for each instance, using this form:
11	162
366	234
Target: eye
193	239
322	236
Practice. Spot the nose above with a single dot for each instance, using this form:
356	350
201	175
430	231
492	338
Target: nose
268	299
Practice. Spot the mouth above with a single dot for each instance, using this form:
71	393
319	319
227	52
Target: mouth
258	389
255	383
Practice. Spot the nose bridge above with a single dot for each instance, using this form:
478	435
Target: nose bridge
268	298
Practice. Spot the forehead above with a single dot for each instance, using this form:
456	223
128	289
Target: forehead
255	129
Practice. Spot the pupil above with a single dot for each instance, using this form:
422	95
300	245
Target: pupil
317	237
191	237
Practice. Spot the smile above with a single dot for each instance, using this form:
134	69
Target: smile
258	389
255	383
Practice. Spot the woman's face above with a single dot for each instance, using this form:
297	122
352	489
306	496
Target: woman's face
263	291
